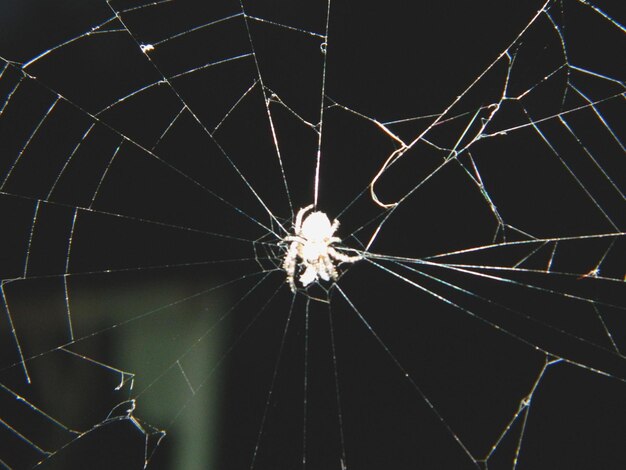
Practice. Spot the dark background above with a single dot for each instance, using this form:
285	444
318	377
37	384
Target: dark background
169	266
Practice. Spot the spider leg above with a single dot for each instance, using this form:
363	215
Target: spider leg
294	238
343	257
289	265
329	269
300	216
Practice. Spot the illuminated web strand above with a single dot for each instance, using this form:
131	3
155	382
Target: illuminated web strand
272	384
497	327
320	129
408	377
268	111
151	153
197	119
471	169
22	362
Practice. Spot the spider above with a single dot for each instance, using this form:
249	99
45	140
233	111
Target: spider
312	247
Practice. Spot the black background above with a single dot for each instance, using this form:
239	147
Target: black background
432	375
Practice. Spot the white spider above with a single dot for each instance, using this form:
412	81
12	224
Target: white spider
312	247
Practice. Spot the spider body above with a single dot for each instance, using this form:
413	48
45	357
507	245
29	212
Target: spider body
312	247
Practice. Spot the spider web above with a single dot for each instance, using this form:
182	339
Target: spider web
152	159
